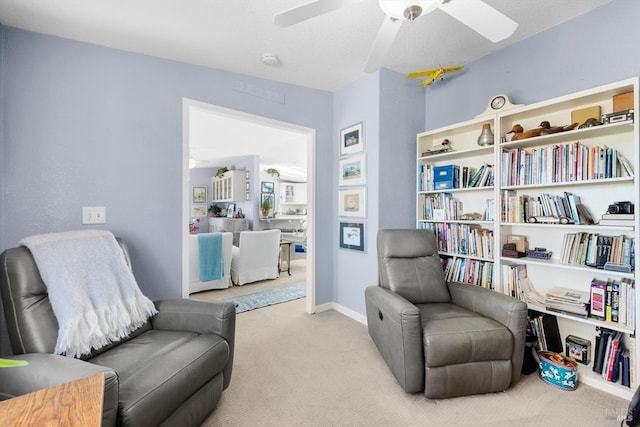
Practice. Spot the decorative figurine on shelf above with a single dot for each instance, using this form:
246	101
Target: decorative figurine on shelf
590	122
517	132
443	147
486	136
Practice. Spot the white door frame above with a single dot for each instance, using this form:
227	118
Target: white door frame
310	136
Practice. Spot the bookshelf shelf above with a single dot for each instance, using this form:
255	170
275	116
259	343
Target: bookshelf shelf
594	167
454	155
587	376
459	190
456	255
572	135
588	321
457	221
607	181
554	263
584	227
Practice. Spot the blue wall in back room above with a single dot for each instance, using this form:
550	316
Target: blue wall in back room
92	126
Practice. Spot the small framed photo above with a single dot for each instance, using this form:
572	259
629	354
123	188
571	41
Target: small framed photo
352	139
198	194
352	236
231	210
352	171
198	210
267	187
352	202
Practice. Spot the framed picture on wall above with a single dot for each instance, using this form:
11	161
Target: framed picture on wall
352	236
352	171
267	187
352	202
352	139
198	210
199	194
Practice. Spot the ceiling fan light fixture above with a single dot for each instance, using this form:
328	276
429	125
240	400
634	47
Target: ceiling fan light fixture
407	9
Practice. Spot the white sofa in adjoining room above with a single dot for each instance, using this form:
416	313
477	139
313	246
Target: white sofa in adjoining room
195	285
257	257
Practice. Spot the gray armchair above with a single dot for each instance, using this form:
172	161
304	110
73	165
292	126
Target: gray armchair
444	339
171	371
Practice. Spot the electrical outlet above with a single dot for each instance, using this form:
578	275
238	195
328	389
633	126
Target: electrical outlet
94	215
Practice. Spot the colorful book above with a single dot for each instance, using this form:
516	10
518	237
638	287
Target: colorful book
598	299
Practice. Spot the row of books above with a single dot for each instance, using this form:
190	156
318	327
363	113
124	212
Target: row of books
595	250
562	163
611	359
512	276
613	300
519	208
545	328
471	177
467	270
463	239
440	206
610	300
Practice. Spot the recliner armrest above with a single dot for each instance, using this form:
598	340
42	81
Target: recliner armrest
395	327
203	317
502	308
47	370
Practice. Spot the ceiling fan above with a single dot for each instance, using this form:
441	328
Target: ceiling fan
476	14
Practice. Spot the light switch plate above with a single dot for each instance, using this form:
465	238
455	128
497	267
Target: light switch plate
94	215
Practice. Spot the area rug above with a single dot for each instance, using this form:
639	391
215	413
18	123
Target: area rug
269	297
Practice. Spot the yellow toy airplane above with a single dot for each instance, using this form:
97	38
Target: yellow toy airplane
433	74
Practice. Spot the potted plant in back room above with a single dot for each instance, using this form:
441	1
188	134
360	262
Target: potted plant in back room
214	210
266	206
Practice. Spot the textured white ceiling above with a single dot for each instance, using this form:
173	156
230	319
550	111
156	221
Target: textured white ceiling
326	52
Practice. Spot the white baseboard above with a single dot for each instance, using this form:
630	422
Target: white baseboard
342	310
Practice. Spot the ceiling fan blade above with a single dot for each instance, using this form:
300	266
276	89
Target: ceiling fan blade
481	18
309	10
382	44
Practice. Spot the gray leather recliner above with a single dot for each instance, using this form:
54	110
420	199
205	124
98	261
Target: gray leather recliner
171	371
444	339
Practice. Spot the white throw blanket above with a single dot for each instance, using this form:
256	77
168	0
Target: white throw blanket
92	291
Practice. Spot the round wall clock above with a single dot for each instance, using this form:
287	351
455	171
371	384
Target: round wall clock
498	103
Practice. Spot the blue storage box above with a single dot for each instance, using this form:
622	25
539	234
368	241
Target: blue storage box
558	370
446	177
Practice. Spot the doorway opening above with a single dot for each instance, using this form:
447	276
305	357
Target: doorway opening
191	108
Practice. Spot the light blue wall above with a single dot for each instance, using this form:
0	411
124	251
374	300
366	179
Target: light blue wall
93	126
592	49
402	113
392	110
357	102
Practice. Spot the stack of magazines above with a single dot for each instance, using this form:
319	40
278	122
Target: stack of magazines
567	301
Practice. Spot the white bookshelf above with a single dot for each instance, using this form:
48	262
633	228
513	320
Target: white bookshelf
595	194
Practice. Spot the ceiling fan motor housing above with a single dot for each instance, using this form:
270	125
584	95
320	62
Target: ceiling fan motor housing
407	9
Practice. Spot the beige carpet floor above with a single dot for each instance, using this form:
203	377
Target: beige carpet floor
294	369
